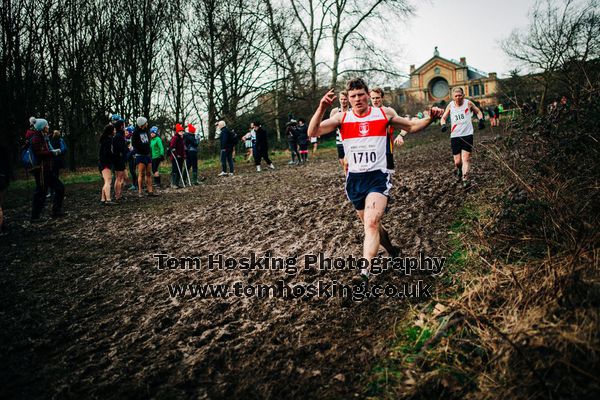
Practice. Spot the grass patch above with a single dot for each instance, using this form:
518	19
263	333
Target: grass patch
424	329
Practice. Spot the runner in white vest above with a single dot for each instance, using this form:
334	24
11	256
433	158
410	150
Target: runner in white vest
377	94
461	112
363	132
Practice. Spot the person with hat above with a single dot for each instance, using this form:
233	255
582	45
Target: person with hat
140	140
158	154
177	155
190	141
44	178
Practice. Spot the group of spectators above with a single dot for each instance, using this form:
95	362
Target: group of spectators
296	133
255	141
46	158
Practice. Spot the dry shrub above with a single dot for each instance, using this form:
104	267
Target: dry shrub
527	324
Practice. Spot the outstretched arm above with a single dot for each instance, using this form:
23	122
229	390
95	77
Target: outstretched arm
414	125
399	140
317	127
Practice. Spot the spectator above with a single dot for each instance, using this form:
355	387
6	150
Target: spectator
120	151
4	180
302	130
227	145
143	155
105	162
177	154
249	141
158	154
58	161
191	150
131	159
44	179
262	146
291	134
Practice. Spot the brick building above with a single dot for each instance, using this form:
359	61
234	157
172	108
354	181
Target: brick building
433	81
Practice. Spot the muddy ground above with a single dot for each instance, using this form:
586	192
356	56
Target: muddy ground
85	312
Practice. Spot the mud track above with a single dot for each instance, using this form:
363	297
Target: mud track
85	313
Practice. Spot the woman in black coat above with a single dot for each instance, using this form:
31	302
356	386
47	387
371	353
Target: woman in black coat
105	162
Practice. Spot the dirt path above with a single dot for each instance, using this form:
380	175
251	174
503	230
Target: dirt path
86	313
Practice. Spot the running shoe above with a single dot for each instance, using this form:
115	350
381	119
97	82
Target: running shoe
271	166
223	173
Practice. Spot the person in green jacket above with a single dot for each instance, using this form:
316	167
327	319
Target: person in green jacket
158	154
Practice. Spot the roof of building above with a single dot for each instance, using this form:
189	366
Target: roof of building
472	73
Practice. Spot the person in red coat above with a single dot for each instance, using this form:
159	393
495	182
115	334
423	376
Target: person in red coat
44	179
177	154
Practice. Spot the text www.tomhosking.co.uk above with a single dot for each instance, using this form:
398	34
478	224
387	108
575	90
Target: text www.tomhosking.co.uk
291	266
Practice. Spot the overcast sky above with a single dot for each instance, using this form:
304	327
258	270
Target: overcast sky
461	28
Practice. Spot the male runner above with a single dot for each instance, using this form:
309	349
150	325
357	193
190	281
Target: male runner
377	94
461	133
344	106
364	134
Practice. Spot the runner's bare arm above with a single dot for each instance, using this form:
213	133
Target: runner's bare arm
317	127
399	140
389	111
414	125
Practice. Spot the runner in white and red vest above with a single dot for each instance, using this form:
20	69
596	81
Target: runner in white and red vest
461	112
364	136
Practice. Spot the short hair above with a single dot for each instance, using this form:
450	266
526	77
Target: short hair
256	123
301	119
221	124
344	92
378	90
357	84
458	89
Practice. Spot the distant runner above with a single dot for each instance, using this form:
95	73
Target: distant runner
461	133
377	96
344	106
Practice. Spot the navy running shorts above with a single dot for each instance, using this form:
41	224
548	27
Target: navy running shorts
461	143
140	159
359	185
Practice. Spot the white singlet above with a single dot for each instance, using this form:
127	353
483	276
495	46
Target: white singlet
365	139
460	117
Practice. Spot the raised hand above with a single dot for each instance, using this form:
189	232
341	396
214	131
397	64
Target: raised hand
328	99
399	140
436	112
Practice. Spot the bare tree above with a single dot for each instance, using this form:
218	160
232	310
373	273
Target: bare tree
559	33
